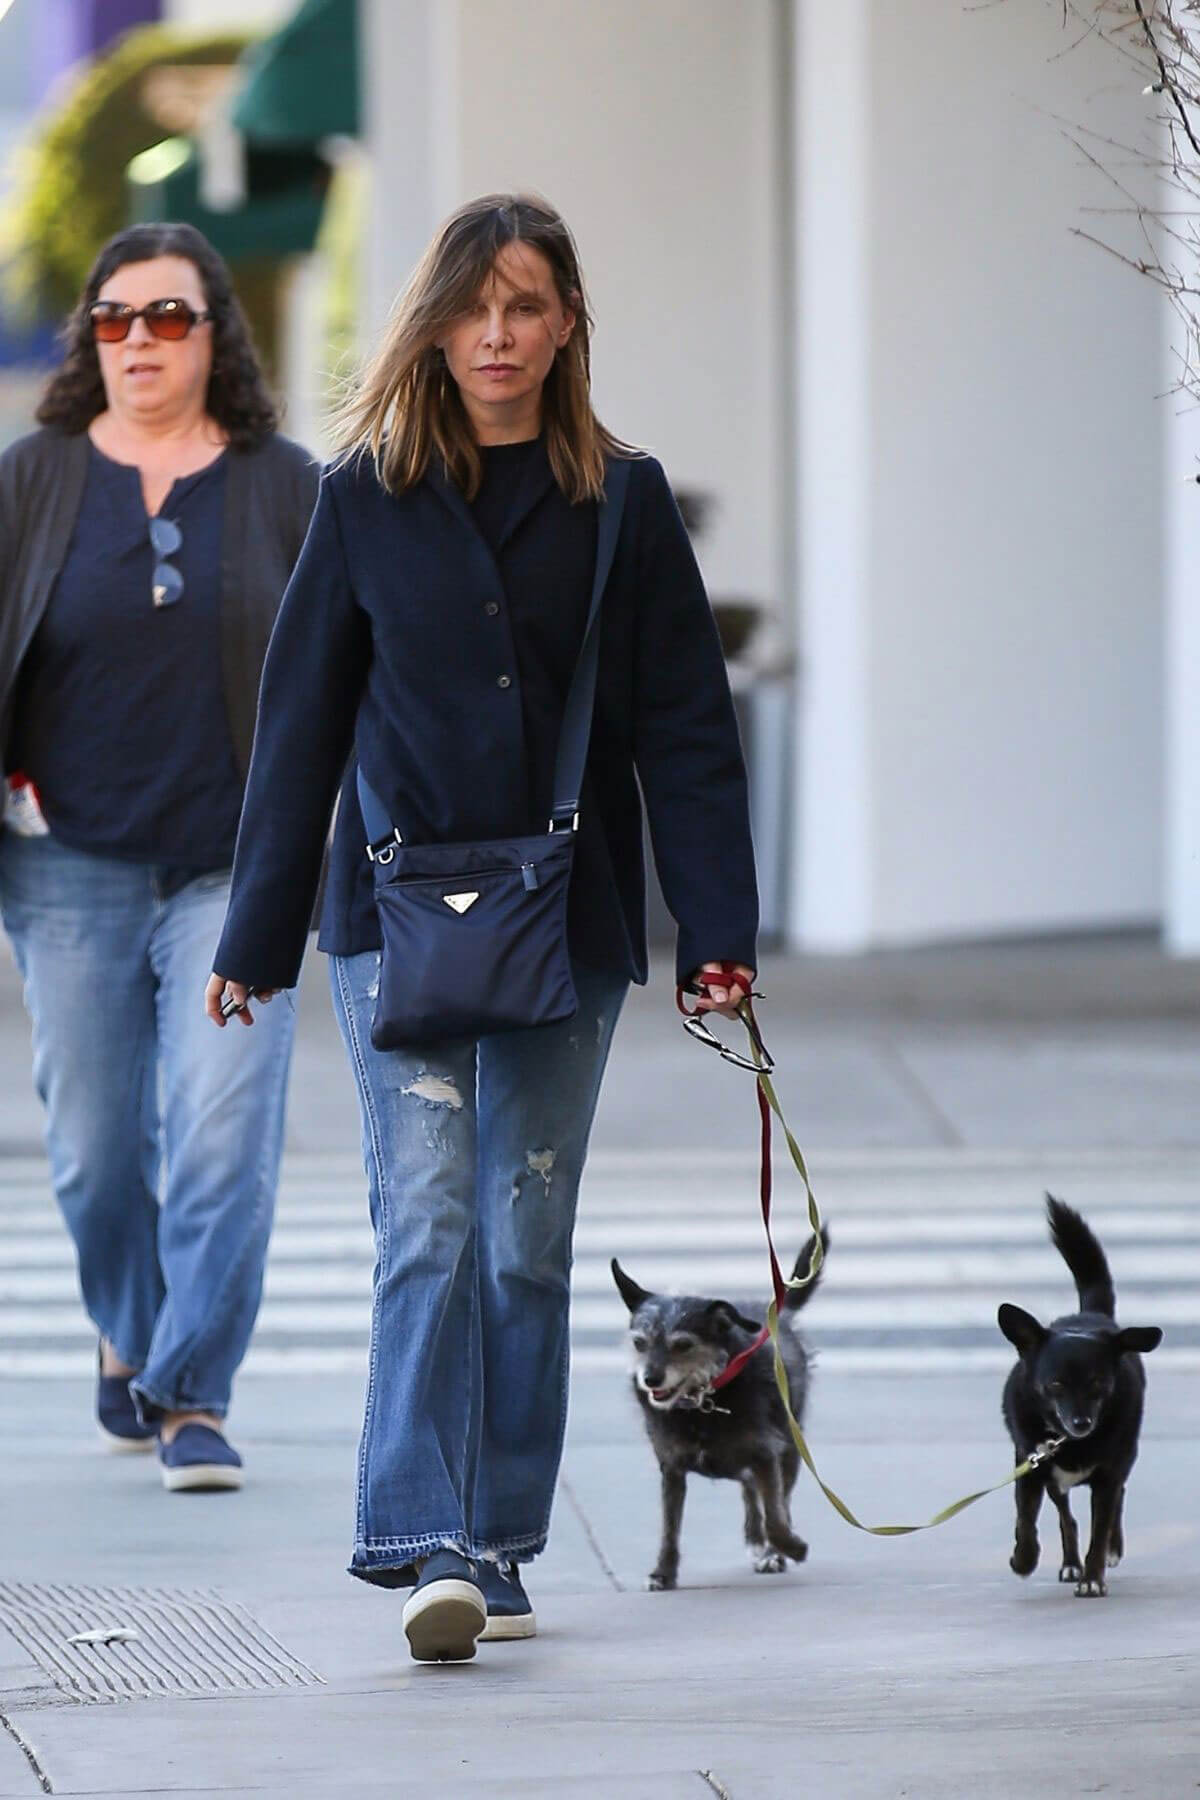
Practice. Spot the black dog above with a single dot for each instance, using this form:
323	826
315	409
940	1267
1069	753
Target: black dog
680	1345
1079	1379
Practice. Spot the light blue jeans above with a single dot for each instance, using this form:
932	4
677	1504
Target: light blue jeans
163	1134
474	1152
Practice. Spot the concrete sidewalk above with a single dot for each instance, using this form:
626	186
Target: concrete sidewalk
882	1668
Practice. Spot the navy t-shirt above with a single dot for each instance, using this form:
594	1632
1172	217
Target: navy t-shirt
121	721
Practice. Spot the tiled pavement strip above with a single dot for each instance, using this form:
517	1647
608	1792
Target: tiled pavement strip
920	1255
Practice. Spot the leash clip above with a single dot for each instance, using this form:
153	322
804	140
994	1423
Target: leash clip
1045	1450
696	1024
705	1403
700	1400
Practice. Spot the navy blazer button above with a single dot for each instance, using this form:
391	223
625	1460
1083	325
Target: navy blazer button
492	608
504	681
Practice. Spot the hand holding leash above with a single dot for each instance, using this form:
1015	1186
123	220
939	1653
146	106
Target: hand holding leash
721	987
726	988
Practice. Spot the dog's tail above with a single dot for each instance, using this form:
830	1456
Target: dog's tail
798	1297
1081	1252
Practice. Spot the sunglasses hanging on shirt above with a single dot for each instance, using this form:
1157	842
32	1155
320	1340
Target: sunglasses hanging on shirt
167	540
111	321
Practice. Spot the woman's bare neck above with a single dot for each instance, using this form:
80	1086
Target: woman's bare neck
184	444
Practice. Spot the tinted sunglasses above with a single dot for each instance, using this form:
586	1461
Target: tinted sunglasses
111	321
167	539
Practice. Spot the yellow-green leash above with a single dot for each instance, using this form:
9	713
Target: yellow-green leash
761	1066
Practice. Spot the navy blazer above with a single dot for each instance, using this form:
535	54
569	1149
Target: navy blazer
393	649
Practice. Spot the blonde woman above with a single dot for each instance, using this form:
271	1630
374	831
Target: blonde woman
429	635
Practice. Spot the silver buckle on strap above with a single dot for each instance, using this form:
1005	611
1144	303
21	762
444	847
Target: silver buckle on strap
386	851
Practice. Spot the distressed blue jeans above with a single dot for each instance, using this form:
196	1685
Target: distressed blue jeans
163	1134
474	1152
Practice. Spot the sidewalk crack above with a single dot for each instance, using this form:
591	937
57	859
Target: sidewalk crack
906	1077
714	1782
28	1751
589	1534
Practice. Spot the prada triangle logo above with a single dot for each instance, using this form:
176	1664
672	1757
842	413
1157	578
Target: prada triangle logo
460	902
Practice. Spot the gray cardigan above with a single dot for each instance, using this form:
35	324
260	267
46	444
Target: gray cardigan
270	497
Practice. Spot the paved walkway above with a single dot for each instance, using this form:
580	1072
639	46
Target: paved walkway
937	1095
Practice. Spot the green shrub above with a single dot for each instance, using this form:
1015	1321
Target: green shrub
69	196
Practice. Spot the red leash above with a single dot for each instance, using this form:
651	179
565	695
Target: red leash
703	983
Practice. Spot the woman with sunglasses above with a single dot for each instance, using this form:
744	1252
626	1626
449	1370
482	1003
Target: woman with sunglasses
430	635
147	532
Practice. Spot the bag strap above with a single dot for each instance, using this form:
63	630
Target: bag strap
581	696
376	823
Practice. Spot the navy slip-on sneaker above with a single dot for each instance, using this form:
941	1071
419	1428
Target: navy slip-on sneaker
198	1460
116	1415
446	1611
509	1609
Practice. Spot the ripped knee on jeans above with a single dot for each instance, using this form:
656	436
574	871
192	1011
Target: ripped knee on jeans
435	1091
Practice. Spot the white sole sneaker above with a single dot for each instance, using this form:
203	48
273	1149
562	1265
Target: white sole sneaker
124	1446
443	1621
502	1629
199	1478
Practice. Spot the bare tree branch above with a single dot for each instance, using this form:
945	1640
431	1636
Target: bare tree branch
1159	42
1169	74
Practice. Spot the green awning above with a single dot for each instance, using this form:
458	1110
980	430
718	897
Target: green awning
285	192
301	83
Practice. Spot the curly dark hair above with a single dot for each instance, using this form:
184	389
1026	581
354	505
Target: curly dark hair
238	398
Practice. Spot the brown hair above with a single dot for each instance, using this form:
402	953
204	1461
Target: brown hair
237	395
406	405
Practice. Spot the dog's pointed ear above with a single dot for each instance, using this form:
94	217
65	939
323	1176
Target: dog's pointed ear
1140	1337
724	1314
1021	1329
633	1295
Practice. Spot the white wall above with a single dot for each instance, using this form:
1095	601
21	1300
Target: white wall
653	128
831	838
1008	657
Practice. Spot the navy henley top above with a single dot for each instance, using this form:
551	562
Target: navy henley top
121	721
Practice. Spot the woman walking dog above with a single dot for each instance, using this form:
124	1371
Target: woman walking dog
147	532
480	539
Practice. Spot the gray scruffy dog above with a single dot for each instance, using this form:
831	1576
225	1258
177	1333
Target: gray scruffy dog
679	1345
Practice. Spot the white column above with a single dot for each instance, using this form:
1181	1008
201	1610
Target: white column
1181	675
831	879
408	51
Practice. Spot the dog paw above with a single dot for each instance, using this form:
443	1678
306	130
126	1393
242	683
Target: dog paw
1070	1572
1024	1559
1091	1589
792	1547
660	1581
769	1562
1113	1559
